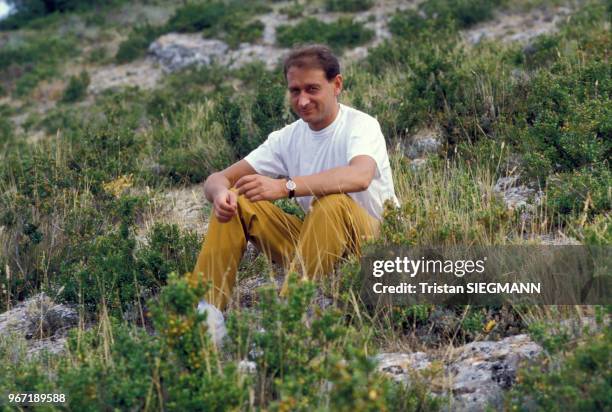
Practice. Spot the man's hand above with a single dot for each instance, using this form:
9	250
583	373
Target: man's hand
257	187
225	205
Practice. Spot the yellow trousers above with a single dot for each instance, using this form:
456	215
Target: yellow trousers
334	225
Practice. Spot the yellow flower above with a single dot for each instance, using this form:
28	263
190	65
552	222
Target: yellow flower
489	326
117	186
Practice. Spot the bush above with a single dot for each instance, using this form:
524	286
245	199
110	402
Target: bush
167	250
77	88
228	20
194	17
6	126
315	364
580	381
137	43
348	5
441	14
338	35
569	133
37	58
465	12
248	121
191	145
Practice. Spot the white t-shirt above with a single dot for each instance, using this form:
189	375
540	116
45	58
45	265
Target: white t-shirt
296	150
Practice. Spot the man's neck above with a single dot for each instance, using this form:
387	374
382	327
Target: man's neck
327	121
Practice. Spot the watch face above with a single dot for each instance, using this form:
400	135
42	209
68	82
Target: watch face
290	185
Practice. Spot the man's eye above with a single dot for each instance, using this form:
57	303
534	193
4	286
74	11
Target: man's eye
313	89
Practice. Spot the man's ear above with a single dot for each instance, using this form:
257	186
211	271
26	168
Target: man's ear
338	84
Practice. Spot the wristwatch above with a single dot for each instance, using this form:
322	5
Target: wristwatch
290	185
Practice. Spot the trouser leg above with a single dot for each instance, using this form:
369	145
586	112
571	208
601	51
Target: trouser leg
334	225
273	231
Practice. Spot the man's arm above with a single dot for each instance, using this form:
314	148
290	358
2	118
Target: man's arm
355	177
217	185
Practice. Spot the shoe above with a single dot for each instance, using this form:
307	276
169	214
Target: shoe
215	322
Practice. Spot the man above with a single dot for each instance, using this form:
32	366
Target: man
333	161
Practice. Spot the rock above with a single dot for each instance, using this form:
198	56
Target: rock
515	196
141	73
477	373
186	207
247	367
422	143
557	239
517	26
480	371
176	51
45	318
248	53
41	322
417	164
399	366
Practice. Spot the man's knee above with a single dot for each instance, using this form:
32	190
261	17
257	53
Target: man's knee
330	203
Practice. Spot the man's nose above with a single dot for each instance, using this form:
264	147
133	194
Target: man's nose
303	100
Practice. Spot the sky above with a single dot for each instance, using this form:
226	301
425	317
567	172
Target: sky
4	9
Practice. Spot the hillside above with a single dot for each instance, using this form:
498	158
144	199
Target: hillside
498	121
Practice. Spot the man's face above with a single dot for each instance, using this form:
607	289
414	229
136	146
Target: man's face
312	96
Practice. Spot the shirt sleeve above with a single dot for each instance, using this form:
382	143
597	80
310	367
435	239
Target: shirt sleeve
267	159
367	139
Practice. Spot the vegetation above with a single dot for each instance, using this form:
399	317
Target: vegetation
137	43
36	59
341	34
77	88
348	5
571	378
79	206
27	11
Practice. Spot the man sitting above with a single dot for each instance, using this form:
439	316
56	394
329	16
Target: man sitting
333	161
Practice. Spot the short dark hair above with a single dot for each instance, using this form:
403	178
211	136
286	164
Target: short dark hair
313	56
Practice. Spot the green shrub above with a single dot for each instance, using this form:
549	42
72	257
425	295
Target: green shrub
105	272
569	133
98	55
465	12
34	59
408	23
37	48
348	5
293	10
6	126
319	363
194	17
228	20
430	81
541	52
191	146
340	34
137	43
441	14
168	250
77	88
580	381
237	33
